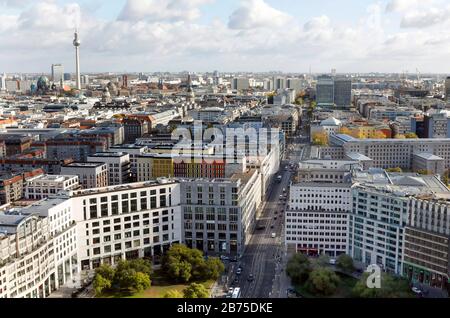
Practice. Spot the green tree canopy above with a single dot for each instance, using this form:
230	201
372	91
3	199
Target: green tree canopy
173	293
323	281
101	284
398	169
214	267
140	282
195	290
323	260
183	264
345	263
106	271
391	287
298	268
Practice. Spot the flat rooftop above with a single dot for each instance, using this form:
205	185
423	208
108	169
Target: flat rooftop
109	154
85	164
125	187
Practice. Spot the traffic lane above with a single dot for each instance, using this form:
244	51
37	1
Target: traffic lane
260	245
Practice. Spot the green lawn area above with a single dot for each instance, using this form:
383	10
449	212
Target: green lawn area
344	289
158	289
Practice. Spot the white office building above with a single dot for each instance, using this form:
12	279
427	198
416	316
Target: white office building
118	166
38	249
126	222
43	186
317	218
90	174
381	210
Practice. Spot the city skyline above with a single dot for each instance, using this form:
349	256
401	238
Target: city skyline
204	35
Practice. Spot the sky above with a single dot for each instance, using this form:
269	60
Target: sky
227	35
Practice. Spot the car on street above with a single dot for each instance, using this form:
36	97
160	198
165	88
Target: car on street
276	212
274	235
332	261
417	291
250	278
236	280
239	271
261	227
224	258
275	218
272	226
234	259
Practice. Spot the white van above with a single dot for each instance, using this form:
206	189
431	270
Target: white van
274	235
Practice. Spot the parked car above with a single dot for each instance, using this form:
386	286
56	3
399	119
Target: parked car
332	261
239	271
417	291
274	235
250	278
224	258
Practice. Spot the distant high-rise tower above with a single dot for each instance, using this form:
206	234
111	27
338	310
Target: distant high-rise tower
76	44
57	73
125	81
447	88
343	92
3	82
325	91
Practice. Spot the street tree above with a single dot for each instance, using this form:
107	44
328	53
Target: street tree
101	284
390	287
183	264
323	281
323	260
345	263
195	290
214	267
298	268
173	293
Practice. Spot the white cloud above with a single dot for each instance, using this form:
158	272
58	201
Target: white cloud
254	14
256	37
420	13
15	3
157	10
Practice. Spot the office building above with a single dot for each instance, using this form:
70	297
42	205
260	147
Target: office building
43	186
219	215
381	211
279	83
57	73
426	243
134	151
392	153
38	251
325	91
240	84
127	222
90	174
343	92
447	88
118	166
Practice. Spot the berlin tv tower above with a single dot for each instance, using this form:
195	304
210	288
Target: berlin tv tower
76	44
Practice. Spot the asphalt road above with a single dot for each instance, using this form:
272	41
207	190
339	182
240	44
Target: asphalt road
261	254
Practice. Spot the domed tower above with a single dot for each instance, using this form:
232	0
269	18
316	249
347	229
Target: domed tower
76	44
112	88
42	85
